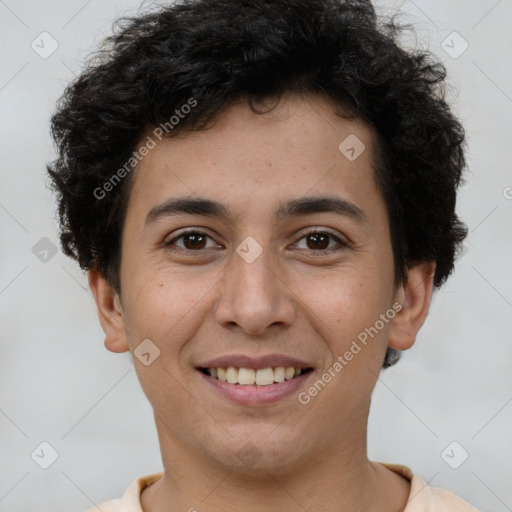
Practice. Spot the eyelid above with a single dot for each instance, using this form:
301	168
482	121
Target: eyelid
327	231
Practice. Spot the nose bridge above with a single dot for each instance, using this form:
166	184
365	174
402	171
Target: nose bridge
253	275
253	297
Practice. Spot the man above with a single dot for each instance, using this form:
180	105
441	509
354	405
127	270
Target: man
263	195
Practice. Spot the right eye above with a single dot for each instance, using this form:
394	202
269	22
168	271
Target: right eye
193	242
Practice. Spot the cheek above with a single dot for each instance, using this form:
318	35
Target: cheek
165	309
349	302
167	306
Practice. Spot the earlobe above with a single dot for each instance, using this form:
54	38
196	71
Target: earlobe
414	298
110	312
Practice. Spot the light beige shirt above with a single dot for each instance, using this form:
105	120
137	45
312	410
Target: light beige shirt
422	497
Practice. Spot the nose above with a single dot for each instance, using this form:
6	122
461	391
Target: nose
255	295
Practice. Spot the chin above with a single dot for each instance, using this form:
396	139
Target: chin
253	450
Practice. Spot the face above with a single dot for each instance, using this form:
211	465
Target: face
280	259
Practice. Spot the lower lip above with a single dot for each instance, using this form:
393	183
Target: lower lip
254	395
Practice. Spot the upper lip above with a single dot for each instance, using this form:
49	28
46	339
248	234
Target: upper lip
243	361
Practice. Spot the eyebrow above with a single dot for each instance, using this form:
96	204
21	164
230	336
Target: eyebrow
293	208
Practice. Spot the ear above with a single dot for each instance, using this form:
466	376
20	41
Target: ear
414	296
110	312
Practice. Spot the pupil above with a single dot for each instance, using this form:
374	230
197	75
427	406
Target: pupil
195	239
316	238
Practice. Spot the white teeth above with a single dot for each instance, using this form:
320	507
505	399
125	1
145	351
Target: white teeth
246	376
279	374
232	375
221	374
265	376
249	376
289	373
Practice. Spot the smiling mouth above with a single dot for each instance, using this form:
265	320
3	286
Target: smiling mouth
251	377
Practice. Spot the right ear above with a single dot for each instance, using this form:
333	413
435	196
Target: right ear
110	312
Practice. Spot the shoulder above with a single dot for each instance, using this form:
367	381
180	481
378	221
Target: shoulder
442	500
423	498
130	501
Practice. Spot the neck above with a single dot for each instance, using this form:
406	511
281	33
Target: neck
337	478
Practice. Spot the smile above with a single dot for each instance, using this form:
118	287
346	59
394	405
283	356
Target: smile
254	381
251	376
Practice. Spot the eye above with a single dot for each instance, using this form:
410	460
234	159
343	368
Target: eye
319	241
194	241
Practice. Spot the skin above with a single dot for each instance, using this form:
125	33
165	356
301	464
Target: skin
291	300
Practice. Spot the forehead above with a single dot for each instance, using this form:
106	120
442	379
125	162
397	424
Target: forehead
250	160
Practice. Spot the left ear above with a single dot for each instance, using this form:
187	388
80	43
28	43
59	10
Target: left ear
414	296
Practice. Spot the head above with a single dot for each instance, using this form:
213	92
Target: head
323	150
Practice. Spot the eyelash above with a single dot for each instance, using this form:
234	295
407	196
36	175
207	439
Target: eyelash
191	252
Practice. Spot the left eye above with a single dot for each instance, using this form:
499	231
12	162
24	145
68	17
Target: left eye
320	240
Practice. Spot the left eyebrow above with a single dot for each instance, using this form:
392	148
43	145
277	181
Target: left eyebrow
294	208
321	204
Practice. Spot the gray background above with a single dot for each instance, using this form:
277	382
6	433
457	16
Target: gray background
60	385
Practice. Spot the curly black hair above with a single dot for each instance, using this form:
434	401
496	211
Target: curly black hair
216	52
